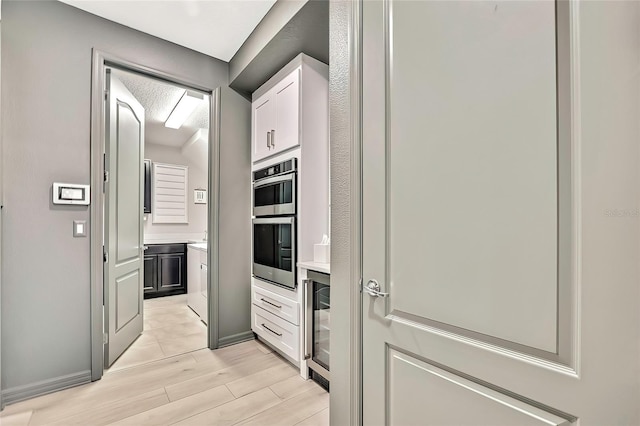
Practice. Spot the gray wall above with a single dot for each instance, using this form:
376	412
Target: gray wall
197	178
277	18
288	29
234	210
345	257
46	70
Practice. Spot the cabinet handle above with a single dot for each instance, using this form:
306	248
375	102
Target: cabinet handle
273	138
272	304
267	328
269	140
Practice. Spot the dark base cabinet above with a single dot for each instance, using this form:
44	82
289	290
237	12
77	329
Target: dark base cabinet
165	270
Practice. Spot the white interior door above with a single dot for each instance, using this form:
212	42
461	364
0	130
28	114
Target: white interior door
124	266
501	308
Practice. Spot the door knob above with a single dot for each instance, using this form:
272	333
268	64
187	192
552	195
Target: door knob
373	288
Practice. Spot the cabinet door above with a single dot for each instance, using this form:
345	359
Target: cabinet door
147	186
287	126
263	124
150	274
193	278
203	280
171	271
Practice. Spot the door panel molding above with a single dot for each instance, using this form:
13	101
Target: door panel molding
124	318
564	356
473	394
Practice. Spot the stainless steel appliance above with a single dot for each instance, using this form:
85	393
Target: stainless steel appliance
318	326
274	250
274	189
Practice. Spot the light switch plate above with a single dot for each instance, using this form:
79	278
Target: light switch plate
79	228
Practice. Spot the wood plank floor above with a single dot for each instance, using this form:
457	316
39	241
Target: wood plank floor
241	384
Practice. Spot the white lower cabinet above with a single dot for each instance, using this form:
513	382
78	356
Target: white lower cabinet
278	305
280	333
275	317
197	282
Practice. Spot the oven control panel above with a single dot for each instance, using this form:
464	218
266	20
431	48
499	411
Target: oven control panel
276	169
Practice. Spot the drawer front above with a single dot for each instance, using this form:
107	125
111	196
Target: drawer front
165	248
280	333
286	309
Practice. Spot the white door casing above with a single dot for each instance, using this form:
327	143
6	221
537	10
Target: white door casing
475	166
124	266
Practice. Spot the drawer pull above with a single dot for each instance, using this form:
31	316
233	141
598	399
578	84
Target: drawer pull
267	328
272	304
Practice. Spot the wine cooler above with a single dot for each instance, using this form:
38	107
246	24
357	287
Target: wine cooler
318	315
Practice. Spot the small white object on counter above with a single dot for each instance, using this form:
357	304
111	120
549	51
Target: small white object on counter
322	251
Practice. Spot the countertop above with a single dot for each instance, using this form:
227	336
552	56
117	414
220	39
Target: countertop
314	266
172	238
202	246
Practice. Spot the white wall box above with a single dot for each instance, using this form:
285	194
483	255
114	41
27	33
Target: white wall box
290	109
169	202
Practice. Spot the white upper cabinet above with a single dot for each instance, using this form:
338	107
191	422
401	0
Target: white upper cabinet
263	122
287	95
278	112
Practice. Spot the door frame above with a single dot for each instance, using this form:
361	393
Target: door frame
102	60
345	111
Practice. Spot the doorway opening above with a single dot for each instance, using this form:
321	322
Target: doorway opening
180	209
174	222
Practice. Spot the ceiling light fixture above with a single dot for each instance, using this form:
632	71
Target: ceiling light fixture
183	109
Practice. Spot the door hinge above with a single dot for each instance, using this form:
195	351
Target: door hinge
105	173
106	95
105	338
105	255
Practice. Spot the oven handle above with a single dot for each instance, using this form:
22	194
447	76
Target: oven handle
288	176
307	317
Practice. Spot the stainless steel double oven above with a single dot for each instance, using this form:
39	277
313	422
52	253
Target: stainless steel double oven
274	223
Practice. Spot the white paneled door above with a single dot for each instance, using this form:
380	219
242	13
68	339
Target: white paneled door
124	248
488	298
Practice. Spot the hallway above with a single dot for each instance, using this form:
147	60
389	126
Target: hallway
241	384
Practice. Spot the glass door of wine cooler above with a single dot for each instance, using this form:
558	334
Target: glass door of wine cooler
318	326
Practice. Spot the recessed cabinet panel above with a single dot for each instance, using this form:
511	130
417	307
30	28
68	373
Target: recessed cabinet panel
287	95
264	123
170	268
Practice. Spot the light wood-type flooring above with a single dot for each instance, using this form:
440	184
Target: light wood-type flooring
241	384
170	328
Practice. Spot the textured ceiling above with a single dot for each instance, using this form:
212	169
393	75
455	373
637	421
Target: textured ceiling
214	27
158	99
